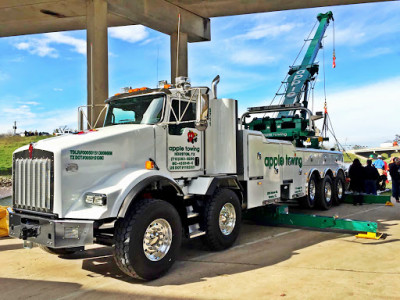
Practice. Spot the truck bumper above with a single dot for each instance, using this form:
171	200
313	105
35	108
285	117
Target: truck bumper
51	233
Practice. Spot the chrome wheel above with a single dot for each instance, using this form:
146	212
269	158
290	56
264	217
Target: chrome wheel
328	191
340	190
157	239
227	219
312	190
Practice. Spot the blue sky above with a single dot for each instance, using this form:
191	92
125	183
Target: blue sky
43	77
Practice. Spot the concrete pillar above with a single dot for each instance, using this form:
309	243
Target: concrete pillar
97	59
179	55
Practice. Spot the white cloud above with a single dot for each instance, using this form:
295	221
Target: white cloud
366	115
251	57
130	34
30	120
378	52
43	45
22	111
79	45
266	31
57	90
28	102
3	76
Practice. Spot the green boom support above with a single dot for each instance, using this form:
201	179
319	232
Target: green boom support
279	215
366	198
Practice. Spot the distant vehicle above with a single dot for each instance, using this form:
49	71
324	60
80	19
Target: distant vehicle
64	132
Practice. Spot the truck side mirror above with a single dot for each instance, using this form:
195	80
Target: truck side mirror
202	112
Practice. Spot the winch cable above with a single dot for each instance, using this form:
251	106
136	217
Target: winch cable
327	120
340	147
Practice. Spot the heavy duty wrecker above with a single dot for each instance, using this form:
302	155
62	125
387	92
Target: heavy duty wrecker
171	160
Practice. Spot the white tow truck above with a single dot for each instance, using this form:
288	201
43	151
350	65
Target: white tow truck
169	162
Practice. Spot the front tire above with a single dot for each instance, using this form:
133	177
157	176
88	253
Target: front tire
326	194
222	219
148	239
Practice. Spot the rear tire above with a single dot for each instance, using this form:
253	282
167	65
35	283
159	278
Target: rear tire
339	187
325	193
61	251
222	219
313	188
148	239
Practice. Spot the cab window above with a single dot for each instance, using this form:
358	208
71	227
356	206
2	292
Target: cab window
183	113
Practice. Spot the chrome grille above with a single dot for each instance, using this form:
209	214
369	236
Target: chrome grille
33	184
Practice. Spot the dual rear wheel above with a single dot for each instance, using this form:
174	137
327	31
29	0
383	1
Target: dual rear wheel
325	192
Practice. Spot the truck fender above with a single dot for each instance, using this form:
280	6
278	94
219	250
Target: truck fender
143	183
312	171
327	171
339	170
206	186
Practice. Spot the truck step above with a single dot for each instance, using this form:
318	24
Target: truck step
195	231
190	213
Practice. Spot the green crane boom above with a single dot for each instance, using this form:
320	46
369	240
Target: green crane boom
288	125
300	76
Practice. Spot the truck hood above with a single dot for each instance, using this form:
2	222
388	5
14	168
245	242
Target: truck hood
68	141
83	161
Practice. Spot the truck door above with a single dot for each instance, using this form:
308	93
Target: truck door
185	142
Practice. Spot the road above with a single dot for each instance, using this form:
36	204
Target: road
265	263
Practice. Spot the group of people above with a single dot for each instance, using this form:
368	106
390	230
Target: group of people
367	179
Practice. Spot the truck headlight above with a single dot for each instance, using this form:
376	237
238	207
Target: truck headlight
96	199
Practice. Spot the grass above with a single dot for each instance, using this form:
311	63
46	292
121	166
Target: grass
8	145
349	157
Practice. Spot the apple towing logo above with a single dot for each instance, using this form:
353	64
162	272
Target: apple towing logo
283	160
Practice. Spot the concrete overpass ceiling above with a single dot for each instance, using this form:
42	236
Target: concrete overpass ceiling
219	8
18	17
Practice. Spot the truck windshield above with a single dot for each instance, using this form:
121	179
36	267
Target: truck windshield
135	110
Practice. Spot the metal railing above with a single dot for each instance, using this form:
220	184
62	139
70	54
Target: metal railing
82	116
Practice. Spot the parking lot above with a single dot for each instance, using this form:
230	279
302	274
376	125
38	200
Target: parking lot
266	262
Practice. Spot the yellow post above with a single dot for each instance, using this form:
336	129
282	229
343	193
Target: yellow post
3	221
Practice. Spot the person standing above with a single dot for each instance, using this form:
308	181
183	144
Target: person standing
356	174
371	178
394	169
379	164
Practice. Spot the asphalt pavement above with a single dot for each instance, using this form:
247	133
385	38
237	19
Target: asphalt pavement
265	263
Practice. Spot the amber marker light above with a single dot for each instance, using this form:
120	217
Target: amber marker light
149	165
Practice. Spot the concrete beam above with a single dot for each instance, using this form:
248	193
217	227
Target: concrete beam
42	26
19	3
97	59
50	25
179	56
162	16
219	8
